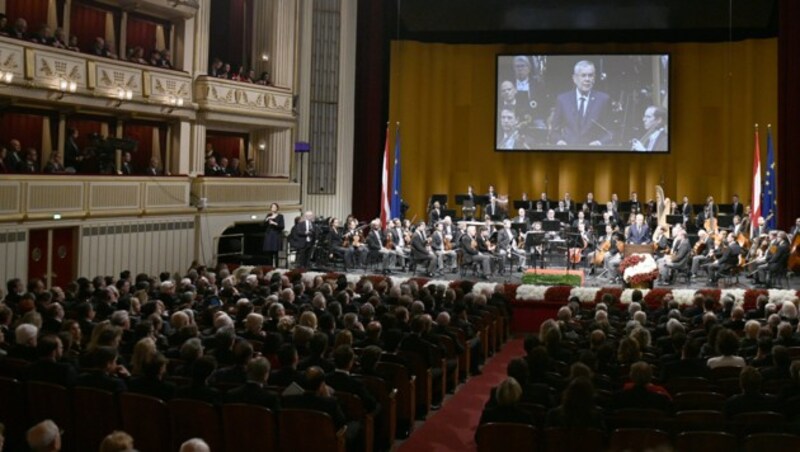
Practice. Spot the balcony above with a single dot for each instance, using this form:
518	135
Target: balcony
45	74
30	198
244	103
225	193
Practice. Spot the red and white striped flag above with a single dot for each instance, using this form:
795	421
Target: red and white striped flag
755	203
385	208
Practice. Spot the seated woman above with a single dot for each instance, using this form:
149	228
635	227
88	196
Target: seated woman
577	409
507	409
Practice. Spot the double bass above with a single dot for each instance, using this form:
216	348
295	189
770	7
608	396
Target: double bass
793	264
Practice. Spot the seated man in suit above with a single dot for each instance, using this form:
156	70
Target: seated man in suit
655	137
318	397
728	260
375	245
48	367
777	261
253	391
678	258
471	253
580	113
288	373
751	399
421	251
344	358
104	371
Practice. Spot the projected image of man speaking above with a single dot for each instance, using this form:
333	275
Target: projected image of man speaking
580	114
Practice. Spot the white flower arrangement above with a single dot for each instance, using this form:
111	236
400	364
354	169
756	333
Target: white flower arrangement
627	295
438	282
737	294
481	288
684	297
398	280
780	296
584	294
353	278
308	278
529	292
647	265
280	271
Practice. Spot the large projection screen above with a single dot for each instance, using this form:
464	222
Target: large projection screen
588	103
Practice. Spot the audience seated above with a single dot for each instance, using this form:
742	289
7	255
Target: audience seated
751	399
44	437
507	409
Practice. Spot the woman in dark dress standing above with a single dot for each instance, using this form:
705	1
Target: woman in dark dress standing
273	237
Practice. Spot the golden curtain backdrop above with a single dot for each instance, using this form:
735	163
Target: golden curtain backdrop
443	95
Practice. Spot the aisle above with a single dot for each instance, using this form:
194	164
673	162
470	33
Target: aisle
452	428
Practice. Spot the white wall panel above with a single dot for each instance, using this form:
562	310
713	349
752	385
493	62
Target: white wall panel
13	254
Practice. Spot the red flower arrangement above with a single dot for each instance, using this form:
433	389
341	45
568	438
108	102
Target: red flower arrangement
639	279
713	293
557	293
511	290
655	297
751	296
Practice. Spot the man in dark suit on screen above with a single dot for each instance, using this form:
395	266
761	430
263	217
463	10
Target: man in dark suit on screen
579	114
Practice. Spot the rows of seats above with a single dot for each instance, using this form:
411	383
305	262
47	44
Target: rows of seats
509	437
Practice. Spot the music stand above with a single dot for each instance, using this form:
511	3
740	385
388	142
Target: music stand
551	226
725	208
536	215
519	227
439	197
481	200
563	217
449	213
520	204
460	199
674	219
625	206
725	221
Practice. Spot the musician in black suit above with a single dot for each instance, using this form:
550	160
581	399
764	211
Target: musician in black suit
544	201
253	391
302	239
686	210
439	249
590	204
491	209
728	259
777	262
421	252
435	213
471	253
273	235
678	258
522	218
375	245
736	207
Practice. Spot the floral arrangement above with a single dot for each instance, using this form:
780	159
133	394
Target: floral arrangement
638	269
614	291
481	288
654	297
528	292
627	295
584	294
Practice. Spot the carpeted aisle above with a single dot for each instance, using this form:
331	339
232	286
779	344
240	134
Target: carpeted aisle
452	428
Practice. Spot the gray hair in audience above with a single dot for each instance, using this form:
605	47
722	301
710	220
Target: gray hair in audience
751	328
192	349
601	307
195	445
641	317
634	308
788	310
44	436
674	326
25	334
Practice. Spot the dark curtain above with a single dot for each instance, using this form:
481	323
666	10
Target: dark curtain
27	128
232	32
372	103
227	145
788	156
33	11
87	23
142	132
141	33
86	127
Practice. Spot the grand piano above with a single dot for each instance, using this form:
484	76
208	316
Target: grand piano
242	244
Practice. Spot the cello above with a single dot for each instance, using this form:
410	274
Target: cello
793	265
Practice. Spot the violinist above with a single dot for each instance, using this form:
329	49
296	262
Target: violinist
375	245
469	245
507	245
596	257
273	237
581	220
661	239
336	241
679	256
439	246
398	238
562	207
728	258
356	253
613	257
777	261
522	218
421	251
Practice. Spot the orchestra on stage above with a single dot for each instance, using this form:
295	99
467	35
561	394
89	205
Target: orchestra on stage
490	238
